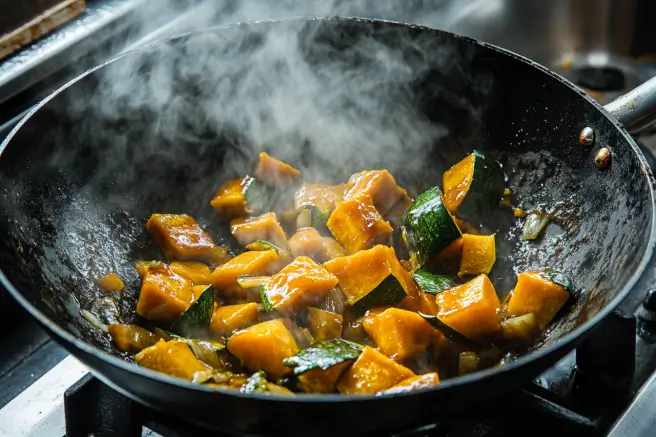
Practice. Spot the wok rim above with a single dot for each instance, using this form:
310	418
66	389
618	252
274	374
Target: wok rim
542	353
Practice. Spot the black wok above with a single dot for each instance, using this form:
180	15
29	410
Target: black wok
83	171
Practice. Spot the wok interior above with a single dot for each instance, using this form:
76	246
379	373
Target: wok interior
83	174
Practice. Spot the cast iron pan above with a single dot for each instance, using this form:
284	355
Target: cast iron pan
159	128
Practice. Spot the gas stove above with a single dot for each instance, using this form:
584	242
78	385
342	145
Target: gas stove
607	387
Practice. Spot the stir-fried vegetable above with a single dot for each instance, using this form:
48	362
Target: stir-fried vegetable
198	316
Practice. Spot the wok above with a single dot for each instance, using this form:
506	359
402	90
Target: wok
158	129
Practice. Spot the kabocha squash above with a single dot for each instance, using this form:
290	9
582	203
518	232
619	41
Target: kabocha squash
197	273
319	199
274	172
194	321
264	346
540	293
164	295
173	358
448	260
428	226
257	383
301	283
110	282
379	185
520	329
263	227
414	383
372	372
472	308
473	186
358	225
306	242
181	239
131	338
229	318
242	197
478	254
253	263
399	334
324	325
370	278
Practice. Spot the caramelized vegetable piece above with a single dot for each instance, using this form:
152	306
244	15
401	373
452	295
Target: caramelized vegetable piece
131	338
264	346
371	278
110	282
468	362
399	334
372	372
229	318
395	215
173	358
196	319
143	266
520	329
164	295
357	225
274	172
253	263
331	249
379	185
472	308
415	383
301	283
257	383
263	227
448	260
536	293
478	254
181	239
230	199
320	199
324	325
322	381
306	242
197	273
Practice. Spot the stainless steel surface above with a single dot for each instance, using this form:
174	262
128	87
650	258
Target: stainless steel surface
639	419
636	110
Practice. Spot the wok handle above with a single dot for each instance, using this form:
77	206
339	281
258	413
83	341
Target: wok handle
636	110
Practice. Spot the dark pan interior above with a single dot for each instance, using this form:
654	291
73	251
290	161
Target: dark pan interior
159	129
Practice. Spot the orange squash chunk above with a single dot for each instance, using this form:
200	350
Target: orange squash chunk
399	334
448	260
536	294
197	273
456	182
306	242
322	381
415	383
143	266
377	184
171	357
301	283
229	199
478	254
131	338
110	282
164	295
357	225
264	346
229	318
181	239
322	196
324	325
274	172
263	227
471	308
371	373
252	263
331	249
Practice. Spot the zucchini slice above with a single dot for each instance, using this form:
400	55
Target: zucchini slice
323	355
258	198
473	186
258	383
520	330
429	226
197	317
433	284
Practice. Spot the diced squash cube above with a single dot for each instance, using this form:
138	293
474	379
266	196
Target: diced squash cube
131	338
274	172
197	273
324	325
478	254
263	227
353	329
171	357
357	225
164	295
331	249
377	184
371	373
306	242
399	334
448	260
371	278
230	318
471	308
110	282
322	381
143	266
535	293
415	383
181	239
252	263
324	198
264	346
520	329
230	200
301	283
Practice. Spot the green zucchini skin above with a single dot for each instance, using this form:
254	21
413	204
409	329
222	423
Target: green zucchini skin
388	292
259	198
323	355
197	317
428	226
486	189
559	278
433	284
